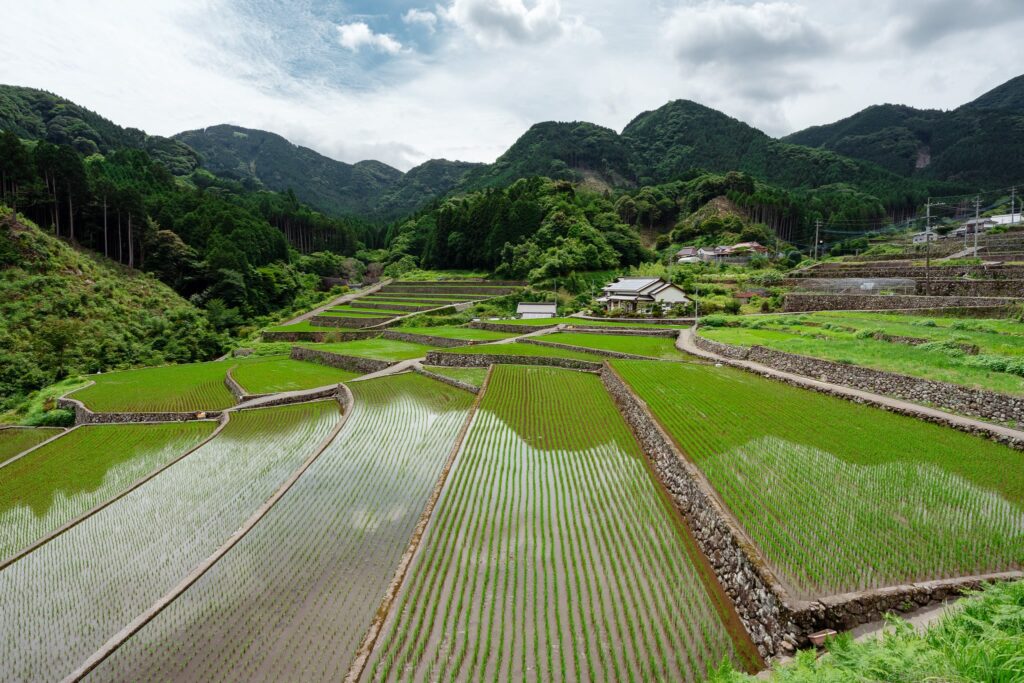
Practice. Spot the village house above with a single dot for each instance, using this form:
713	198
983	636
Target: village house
529	311
635	294
925	237
688	255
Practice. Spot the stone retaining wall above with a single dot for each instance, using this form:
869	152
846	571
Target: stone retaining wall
338	391
427	339
85	416
917	272
986	288
451	381
509	327
776	623
588	329
587	349
645	321
482	360
237	390
318	337
741	353
795	303
405	308
748	584
363	366
339	321
468	291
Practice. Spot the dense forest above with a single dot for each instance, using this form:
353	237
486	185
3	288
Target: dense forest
214	242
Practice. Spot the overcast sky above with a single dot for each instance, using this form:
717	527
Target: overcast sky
462	79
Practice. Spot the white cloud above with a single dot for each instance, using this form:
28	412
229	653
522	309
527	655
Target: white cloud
425	18
509	21
358	35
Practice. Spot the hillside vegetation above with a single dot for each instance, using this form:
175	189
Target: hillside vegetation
63	312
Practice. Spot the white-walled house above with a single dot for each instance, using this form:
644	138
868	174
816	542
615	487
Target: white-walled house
629	294
925	237
529	311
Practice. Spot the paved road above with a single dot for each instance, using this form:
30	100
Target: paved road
685	343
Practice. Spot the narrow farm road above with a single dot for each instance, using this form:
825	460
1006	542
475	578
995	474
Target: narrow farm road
685	342
343	299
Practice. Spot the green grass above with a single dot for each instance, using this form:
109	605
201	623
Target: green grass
378	349
353	313
982	639
425	298
14	441
552	551
653	347
524	349
69	476
928	363
304	326
910	500
170	388
370	311
275	374
455	332
474	376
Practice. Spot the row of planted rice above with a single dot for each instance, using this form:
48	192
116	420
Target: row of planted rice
553	556
294	598
840	496
65	599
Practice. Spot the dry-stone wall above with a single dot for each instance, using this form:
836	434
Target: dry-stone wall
623	331
85	416
482	360
319	336
340	321
448	380
337	360
509	327
428	339
586	349
871	302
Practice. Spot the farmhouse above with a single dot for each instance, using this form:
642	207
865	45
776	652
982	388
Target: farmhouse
925	236
528	311
640	294
979	225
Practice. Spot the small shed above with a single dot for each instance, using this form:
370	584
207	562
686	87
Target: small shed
529	311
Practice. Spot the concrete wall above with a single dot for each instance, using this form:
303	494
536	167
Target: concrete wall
795	303
336	360
482	360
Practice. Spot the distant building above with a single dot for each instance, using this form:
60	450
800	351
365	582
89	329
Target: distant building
640	294
978	225
924	237
528	311
735	254
688	255
1006	218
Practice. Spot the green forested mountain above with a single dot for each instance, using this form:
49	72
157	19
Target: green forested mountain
980	144
38	115
372	189
577	151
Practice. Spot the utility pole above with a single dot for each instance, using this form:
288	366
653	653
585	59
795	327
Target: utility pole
1013	204
928	247
977	211
817	231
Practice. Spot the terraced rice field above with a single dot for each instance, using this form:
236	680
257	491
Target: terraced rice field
524	349
454	332
840	496
304	326
170	388
474	376
998	364
18	439
653	347
357	313
378	349
552	554
277	374
551	322
293	600
69	476
65	599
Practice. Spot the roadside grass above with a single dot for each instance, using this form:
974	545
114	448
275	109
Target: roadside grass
939	364
378	349
911	500
168	388
474	376
455	332
981	639
524	349
69	476
276	374
654	347
14	441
